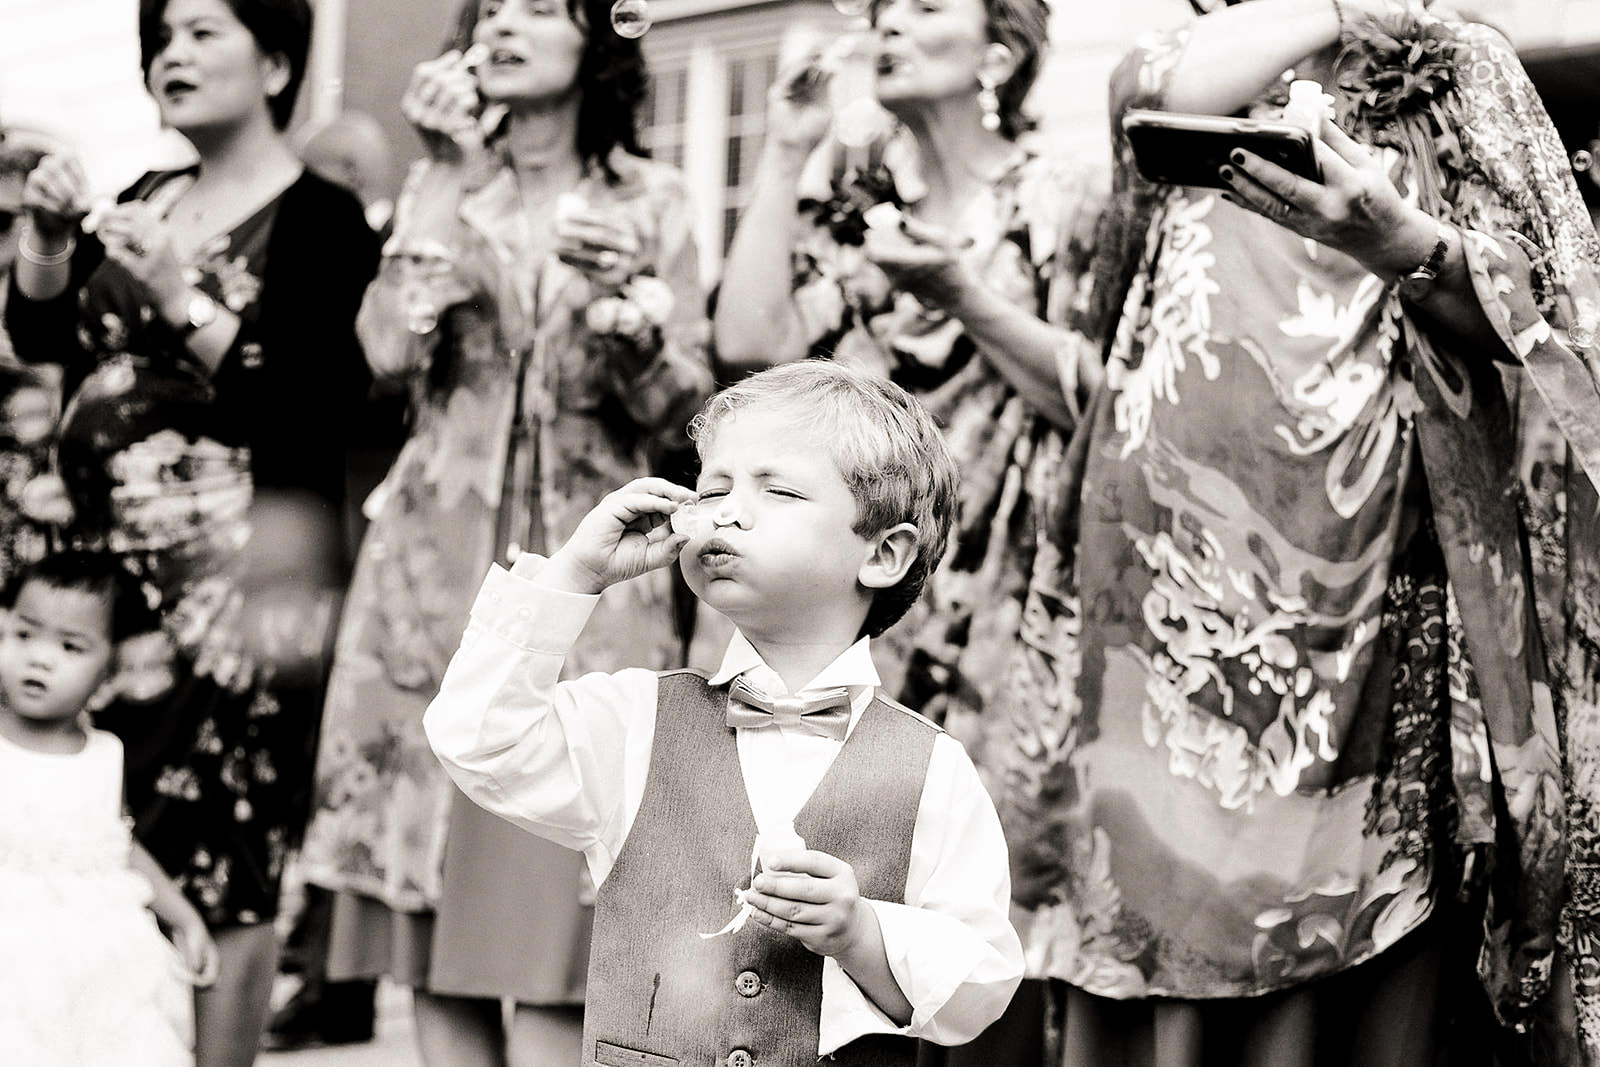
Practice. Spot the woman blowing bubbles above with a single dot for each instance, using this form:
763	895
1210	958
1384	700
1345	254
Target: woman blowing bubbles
963	296
539	297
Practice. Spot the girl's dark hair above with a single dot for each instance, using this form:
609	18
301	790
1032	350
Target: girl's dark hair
280	27
611	78
97	573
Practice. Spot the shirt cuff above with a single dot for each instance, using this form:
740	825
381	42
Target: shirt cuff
514	607
933	958
847	1012
957	982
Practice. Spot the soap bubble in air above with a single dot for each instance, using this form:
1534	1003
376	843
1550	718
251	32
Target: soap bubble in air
631	18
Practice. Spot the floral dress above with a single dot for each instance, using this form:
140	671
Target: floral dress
32	499
216	738
1030	236
527	409
1288	683
33	502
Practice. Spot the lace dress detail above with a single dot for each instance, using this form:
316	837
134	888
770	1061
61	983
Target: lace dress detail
88	978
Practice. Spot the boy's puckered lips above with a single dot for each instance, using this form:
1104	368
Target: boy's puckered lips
716	551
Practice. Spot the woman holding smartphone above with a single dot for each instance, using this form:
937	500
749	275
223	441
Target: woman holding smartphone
540	299
1312	773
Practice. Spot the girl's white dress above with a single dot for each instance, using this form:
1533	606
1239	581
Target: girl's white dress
86	978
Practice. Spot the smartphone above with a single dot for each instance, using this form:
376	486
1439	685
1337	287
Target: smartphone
1178	149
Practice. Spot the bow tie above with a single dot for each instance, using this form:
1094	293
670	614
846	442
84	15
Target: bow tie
826	714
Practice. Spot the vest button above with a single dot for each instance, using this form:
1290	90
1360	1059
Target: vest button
740	1058
748	983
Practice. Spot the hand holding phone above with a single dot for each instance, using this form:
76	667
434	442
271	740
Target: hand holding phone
1181	149
1353	206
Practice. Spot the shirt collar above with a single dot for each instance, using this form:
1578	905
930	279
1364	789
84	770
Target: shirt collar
852	668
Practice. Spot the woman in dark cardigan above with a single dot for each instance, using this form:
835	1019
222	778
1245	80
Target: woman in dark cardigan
206	331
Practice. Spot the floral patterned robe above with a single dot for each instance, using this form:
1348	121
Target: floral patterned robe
1230	678
523	419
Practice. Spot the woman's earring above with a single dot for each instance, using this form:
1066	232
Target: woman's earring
989	104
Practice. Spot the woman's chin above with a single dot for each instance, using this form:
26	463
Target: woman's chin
524	97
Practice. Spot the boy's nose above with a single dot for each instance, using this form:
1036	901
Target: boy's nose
728	514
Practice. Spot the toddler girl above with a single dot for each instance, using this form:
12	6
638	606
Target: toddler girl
88	979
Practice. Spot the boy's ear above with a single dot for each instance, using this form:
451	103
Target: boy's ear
891	555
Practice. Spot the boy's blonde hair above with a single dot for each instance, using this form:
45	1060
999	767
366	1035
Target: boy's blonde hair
887	448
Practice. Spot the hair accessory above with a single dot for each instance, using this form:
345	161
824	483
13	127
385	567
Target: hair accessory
989	104
40	259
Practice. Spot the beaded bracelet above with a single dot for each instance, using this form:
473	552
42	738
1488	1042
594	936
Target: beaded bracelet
41	259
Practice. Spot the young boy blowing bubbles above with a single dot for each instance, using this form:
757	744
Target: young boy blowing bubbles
825	498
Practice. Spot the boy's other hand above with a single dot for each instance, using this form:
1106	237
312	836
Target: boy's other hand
812	897
628	533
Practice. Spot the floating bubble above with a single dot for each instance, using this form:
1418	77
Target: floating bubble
851	8
691	520
1582	160
1583	333
631	18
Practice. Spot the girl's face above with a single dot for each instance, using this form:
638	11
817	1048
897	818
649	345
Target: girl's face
931	49
55	652
534	50
209	72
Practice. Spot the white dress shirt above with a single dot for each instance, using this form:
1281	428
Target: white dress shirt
568	761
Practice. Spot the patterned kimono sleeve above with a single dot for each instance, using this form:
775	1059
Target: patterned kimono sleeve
1534	262
1550	325
1072	200
419	277
1141	80
660	390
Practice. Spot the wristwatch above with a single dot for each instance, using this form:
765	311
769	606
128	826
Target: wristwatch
201	312
1419	283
